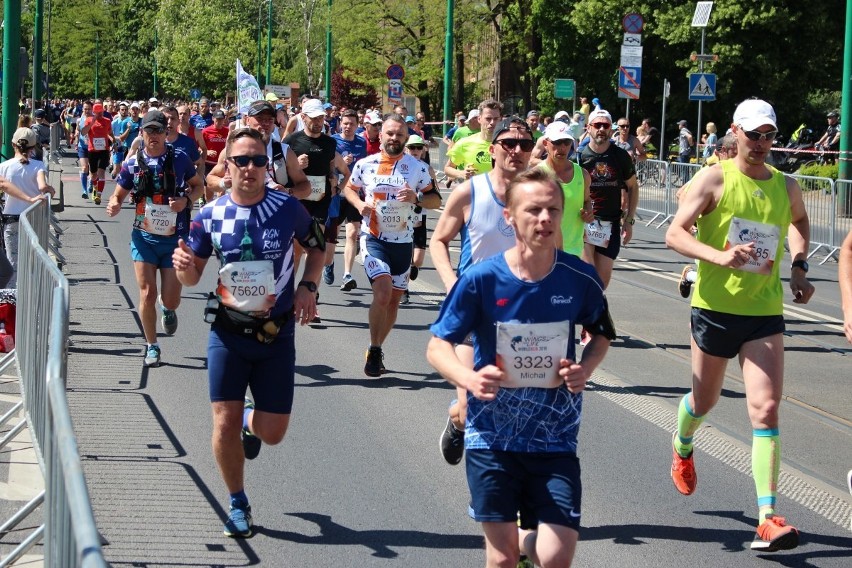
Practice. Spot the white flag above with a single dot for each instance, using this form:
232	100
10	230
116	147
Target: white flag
248	90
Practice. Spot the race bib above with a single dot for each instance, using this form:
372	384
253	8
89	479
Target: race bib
393	215
99	144
598	233
247	286
529	353
159	220
317	188
765	238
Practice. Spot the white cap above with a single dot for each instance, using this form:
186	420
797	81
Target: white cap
134	105
372	118
599	113
153	100
474	113
560	114
313	108
754	113
558	130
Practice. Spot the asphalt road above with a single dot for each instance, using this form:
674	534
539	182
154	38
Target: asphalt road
359	480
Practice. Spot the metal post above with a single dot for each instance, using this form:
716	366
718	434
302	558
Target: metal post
269	44
154	92
846	113
664	151
49	19
38	27
97	65
697	136
11	69
448	66
328	54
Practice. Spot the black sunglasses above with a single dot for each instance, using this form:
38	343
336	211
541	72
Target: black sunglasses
415	147
563	142
754	135
258	160
511	143
600	125
154	129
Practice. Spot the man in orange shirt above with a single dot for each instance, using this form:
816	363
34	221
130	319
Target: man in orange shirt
98	128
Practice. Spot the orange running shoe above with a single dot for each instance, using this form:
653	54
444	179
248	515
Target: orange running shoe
683	472
775	534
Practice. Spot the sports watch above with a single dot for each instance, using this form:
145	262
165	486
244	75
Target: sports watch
309	285
803	264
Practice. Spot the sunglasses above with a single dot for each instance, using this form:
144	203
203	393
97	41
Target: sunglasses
258	160
512	143
565	142
415	147
624	126
601	125
154	130
754	135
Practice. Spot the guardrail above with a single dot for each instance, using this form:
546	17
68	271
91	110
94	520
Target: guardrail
41	349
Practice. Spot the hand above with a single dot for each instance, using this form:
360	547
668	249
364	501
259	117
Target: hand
469	171
303	161
407	195
183	257
801	287
574	375
176	206
587	215
626	233
304	305
348	159
212	154
484	383
736	257
366	210
113	207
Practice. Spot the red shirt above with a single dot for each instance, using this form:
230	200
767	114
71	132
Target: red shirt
372	147
215	139
100	130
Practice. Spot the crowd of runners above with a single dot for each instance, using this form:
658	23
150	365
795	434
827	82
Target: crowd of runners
541	212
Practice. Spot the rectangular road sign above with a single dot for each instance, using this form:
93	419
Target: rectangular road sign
394	91
632	39
564	88
629	77
631	51
702	87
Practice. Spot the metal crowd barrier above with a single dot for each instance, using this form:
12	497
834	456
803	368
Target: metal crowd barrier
41	337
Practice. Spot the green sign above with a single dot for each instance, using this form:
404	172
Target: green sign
564	89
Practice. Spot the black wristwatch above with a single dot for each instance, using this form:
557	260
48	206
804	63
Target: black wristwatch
309	285
803	264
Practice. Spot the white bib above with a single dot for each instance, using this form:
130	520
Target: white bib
529	354
393	215
598	233
765	238
248	286
317	188
159	220
99	144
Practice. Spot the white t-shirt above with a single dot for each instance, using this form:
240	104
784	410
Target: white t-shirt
25	177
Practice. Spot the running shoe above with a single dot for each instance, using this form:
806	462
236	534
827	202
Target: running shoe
775	534
169	319
405	299
348	283
251	443
152	356
452	443
328	274
414	272
374	367
85	194
97	198
239	522
683	472
684	286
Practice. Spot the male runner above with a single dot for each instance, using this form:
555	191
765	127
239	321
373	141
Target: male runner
98	130
469	155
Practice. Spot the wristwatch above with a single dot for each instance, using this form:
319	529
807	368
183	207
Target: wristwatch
630	220
803	264
309	285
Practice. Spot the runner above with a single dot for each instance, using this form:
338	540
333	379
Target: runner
744	209
163	183
251	344
119	125
416	147
469	155
83	150
215	136
474	209
98	130
392	183
525	389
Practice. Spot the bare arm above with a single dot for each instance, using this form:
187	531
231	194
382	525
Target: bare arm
798	238
10	188
632	204
844	276
301	186
639	150
188	267
448	227
453	172
537	155
483	384
116	199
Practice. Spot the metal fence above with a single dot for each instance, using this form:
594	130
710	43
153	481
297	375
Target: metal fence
71	538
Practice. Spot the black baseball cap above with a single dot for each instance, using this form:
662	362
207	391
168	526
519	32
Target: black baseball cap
39	113
219	114
154	118
260	107
510	123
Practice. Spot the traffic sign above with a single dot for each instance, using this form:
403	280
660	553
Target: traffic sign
195	94
281	91
629	77
702	87
632	39
395	72
564	88
395	91
632	23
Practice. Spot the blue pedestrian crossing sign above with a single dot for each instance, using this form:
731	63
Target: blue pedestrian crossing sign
702	87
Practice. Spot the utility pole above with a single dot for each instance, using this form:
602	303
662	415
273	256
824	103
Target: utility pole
97	65
38	27
328	54
11	70
155	64
845	173
269	44
448	65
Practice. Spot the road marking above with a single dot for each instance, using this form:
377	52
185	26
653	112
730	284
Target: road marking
811	493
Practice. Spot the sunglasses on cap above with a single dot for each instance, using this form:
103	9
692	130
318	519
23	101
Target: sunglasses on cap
754	135
508	144
258	160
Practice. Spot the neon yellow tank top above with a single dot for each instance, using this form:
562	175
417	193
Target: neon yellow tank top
572	224
749	211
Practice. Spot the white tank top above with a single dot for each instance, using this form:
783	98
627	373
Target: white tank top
486	232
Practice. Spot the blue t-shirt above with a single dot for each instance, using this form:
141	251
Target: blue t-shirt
357	147
265	231
118	127
133	128
200	122
188	146
523	419
130	174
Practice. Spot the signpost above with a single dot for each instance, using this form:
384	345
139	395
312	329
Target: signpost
395	74
704	86
630	68
564	89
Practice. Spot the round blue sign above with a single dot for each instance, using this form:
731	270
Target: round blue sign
396	72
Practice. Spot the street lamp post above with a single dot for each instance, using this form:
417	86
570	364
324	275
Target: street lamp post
269	44
97	65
